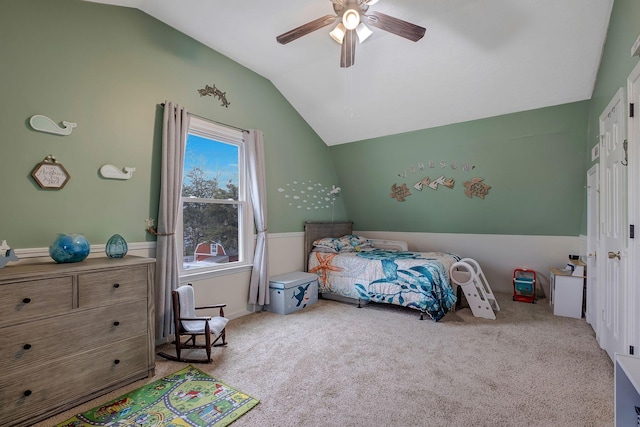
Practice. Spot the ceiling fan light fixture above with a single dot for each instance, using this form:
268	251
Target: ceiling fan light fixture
351	19
338	33
363	32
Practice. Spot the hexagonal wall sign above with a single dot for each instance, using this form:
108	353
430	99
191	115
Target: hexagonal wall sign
50	175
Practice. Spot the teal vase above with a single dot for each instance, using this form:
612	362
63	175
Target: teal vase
116	247
71	247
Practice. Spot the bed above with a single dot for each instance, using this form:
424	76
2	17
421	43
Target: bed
354	268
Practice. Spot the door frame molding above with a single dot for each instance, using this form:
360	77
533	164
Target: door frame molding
593	242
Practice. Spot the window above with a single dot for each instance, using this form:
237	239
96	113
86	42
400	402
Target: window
217	221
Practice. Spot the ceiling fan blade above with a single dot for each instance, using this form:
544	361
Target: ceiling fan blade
348	51
396	26
305	29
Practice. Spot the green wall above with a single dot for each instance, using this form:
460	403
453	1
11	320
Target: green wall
617	62
107	69
533	161
615	66
541	193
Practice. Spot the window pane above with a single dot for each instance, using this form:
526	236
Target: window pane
210	227
210	234
210	169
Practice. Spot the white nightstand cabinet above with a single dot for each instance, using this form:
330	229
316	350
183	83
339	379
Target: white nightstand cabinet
567	291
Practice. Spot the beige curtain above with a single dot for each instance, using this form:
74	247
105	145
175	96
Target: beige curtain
259	285
175	125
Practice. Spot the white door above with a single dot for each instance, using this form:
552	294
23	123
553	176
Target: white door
633	298
593	234
613	250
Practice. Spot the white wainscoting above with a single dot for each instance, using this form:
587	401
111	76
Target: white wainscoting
285	255
498	255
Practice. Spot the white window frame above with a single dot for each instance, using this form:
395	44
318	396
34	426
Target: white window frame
246	237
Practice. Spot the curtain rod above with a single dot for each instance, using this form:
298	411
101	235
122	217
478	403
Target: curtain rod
218	123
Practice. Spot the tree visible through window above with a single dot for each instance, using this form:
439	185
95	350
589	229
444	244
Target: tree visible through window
213	197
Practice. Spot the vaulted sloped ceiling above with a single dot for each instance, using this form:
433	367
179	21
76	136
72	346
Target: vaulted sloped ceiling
478	58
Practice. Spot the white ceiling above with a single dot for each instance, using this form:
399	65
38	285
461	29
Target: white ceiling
478	58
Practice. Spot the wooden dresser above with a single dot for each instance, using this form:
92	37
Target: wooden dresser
71	332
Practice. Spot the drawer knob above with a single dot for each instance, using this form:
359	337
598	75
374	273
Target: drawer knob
116	285
26	300
27	393
116	362
116	323
26	346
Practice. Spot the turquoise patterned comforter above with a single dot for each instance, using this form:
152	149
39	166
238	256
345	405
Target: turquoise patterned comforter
419	280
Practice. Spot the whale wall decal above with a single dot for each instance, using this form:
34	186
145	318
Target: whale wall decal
45	124
112	172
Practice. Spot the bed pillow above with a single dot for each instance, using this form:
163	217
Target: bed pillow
355	243
329	243
347	243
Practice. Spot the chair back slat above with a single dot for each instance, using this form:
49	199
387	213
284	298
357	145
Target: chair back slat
176	312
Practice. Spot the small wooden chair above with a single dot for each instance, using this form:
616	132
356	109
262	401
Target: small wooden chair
186	323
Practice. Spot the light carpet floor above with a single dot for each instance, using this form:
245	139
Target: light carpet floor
333	364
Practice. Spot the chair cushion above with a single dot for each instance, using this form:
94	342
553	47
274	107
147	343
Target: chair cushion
216	324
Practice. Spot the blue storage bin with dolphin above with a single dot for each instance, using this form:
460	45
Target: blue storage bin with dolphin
292	292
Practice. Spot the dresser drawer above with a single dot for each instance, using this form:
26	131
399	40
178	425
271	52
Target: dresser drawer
27	300
25	346
31	393
112	286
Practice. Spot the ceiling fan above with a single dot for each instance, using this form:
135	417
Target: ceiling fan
351	16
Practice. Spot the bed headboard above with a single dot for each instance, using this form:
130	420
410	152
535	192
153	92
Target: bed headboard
314	230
